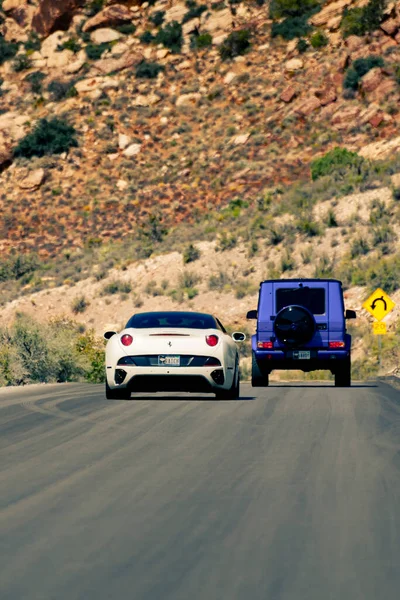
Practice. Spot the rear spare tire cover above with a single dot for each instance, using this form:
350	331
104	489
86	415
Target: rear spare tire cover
294	325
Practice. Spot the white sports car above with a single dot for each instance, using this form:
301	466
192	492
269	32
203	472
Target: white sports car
172	351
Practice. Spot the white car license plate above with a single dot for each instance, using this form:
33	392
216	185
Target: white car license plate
171	361
302	355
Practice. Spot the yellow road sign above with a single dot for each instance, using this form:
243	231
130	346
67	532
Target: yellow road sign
379	304
379	328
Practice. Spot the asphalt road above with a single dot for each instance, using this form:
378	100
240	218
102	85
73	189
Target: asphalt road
290	493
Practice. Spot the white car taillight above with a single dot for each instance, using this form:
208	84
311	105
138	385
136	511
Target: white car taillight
126	339
212	340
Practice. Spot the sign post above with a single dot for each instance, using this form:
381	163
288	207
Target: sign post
379	305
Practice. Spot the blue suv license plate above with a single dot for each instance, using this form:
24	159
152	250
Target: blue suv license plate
301	355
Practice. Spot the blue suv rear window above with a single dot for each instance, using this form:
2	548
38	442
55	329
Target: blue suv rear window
311	298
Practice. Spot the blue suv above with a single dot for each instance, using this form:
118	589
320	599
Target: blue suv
301	324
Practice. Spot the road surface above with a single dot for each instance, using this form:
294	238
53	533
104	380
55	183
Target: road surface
290	493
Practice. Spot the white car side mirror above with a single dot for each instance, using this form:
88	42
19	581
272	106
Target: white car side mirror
109	334
238	336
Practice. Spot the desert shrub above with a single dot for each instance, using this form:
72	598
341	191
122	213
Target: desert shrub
226	241
336	161
307	226
60	90
292	27
35	80
359	247
71	44
302	45
236	44
42	353
195	10
148	70
319	40
157	18
33	42
188	279
396	73
362	20
275	235
147	37
383	235
324	267
190	254
22	62
95	6
20	266
331	219
219	281
279	9
50	136
126	28
171	37
359	68
79	304
203	40
7	50
287	262
115	287
95	51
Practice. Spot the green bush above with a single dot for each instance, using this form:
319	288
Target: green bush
33	42
195	10
337	161
191	254
71	44
157	18
147	37
31	352
60	90
20	266
35	80
236	44
22	62
203	40
79	304
148	70
53	136
302	45
359	68
95	51
292	27
7	50
279	9
171	37
319	40
126	28
359	247
362	20
115	287
95	7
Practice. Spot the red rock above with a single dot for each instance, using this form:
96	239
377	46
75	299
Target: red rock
390	26
345	118
117	14
52	15
372	80
311	104
343	61
383	90
353	42
337	80
288	94
326	96
397	38
376	119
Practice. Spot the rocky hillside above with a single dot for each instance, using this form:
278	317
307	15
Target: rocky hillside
114	115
